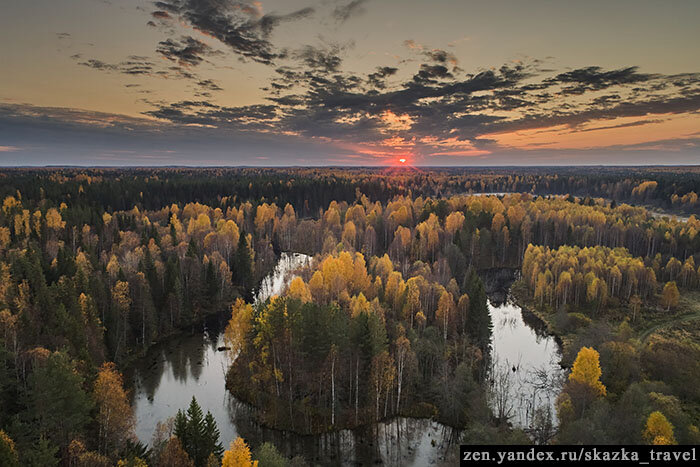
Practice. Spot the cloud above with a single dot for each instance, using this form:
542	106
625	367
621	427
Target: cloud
344	12
595	78
437	112
161	15
71	136
134	65
188	51
379	77
441	56
238	25
621	125
323	59
431	73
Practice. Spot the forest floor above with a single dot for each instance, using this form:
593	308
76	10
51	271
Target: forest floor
688	310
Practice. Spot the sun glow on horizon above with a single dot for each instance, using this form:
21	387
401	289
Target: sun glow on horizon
403	161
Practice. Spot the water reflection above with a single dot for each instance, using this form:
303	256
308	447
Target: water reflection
525	372
399	441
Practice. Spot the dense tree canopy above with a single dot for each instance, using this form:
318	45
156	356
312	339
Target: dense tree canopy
391	316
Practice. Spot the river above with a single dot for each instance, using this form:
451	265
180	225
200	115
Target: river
190	365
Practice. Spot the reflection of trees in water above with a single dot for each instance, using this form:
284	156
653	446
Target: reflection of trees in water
186	358
400	441
526	395
148	373
517	390
501	389
409	441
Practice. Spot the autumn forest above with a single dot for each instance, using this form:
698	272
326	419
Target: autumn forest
390	316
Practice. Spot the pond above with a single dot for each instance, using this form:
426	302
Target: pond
190	365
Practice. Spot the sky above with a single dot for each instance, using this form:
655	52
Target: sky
349	82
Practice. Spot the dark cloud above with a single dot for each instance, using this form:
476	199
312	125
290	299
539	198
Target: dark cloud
621	125
188	51
344	12
595	78
45	135
238	25
437	105
434	104
134	65
268	22
378	78
441	56
323	59
161	15
431	73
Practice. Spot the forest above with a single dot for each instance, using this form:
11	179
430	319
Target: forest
390	317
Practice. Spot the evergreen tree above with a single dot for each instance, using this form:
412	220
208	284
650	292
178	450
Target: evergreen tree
211	436
57	399
243	268
198	434
479	320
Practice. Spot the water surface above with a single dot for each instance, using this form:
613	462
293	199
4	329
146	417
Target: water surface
525	363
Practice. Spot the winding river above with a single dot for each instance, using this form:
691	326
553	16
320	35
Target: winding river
525	365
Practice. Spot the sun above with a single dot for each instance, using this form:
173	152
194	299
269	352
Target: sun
403	161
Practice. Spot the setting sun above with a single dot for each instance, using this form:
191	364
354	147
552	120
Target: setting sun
403	161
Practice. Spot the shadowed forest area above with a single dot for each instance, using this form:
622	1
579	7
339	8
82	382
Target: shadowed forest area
388	318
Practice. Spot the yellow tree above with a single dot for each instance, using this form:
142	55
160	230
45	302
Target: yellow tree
8	453
238	326
238	455
670	295
54	220
350	233
454	222
299	290
115	417
586	370
658	430
412	303
445	312
382	375
4	238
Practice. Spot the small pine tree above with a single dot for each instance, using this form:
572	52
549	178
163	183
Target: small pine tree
211	435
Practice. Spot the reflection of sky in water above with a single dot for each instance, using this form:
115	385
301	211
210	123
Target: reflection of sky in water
518	346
